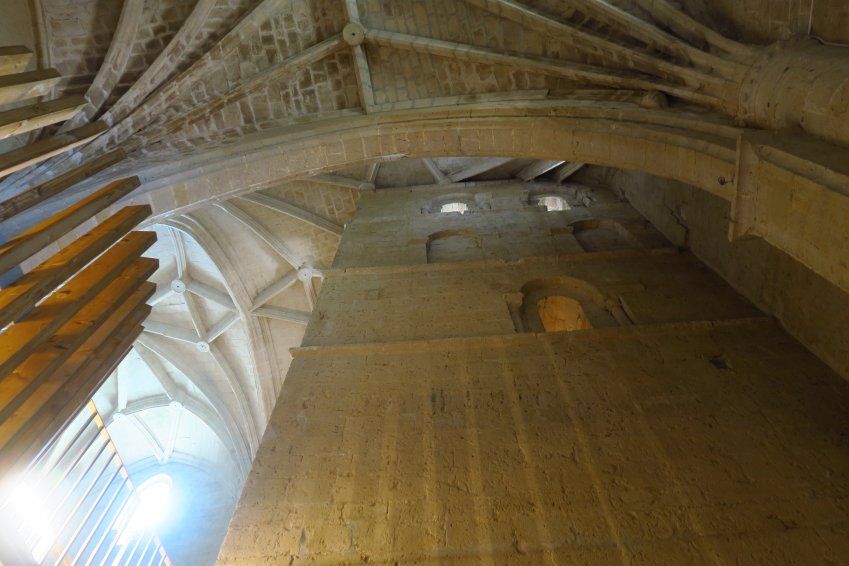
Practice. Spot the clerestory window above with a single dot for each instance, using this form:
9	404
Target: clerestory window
554	203
459	207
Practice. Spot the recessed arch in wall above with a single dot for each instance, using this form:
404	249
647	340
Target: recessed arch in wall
603	234
554	304
454	245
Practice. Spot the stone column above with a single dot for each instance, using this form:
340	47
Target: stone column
799	83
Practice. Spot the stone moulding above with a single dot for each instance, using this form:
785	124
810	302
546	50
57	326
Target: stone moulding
699	150
529	339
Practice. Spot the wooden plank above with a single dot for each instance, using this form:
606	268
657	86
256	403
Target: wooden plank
48	357
538	169
478	168
21	86
21	338
30	154
41	281
64	406
28	118
14	58
36	238
44	191
68	390
566	171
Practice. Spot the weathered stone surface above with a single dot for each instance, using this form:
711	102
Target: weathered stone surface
415	425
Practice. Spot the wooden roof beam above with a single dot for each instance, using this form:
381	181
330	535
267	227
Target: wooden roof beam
28	118
73	384
41	281
21	338
21	247
56	185
30	84
127	292
14	58
538	169
37	152
566	171
477	168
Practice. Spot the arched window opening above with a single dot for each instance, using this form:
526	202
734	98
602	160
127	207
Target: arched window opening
453	245
553	203
152	509
558	313
557	304
459	207
602	234
458	203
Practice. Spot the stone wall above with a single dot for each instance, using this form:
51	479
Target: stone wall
810	307
17	26
78	35
766	21
417	426
392	227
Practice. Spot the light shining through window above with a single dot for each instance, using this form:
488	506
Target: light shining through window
32	518
554	203
154	505
460	207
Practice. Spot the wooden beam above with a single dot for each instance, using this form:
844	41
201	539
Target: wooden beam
538	169
567	171
37	152
44	191
14	59
21	247
21	86
21	338
41	281
437	173
72	387
28	118
129	290
477	168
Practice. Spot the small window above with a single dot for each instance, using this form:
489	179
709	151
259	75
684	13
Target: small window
460	207
554	203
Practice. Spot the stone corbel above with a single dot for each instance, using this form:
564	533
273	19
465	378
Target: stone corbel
793	191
